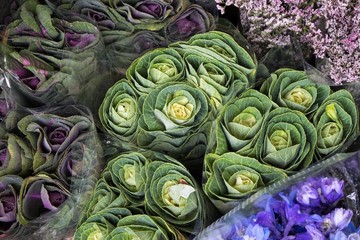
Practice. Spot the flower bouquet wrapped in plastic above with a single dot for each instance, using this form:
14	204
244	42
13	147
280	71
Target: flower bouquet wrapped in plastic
286	124
145	195
49	164
321	202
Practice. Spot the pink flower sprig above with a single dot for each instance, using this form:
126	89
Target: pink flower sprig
330	28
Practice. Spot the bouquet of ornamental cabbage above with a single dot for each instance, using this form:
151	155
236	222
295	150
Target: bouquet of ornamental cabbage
262	137
49	57
49	165
170	95
144	190
318	203
130	28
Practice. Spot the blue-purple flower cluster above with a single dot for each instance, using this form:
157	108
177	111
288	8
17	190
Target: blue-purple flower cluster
311	210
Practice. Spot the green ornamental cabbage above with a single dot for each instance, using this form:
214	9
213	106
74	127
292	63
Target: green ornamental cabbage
156	68
287	141
119	111
292	89
220	82
336	121
220	46
172	193
141	227
98	226
231	178
240	123
174	120
126	172
105	196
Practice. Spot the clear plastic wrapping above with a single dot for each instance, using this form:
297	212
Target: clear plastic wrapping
51	159
321	202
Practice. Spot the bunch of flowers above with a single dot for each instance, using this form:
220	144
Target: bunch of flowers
56	48
260	138
313	209
129	28
329	28
48	162
134	184
319	203
170	96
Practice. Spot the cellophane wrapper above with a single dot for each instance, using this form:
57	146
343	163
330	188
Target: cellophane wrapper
342	167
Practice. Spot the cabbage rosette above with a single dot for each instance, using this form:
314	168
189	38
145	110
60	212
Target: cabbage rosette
124	49
76	162
40	195
287	141
231	178
149	14
119	111
106	18
49	56
16	156
220	46
9	195
98	226
142	226
193	20
172	194
174	120
50	135
292	89
38	32
240	123
104	196
156	68
336	122
126	172
220	82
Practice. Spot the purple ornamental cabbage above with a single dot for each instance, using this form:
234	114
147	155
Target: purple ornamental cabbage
40	195
16	156
192	21
50	135
149	14
9	191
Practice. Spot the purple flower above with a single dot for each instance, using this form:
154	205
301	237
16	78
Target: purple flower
314	233
308	195
339	235
340	218
255	232
331	190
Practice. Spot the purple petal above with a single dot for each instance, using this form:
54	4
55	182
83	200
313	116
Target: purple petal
332	189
